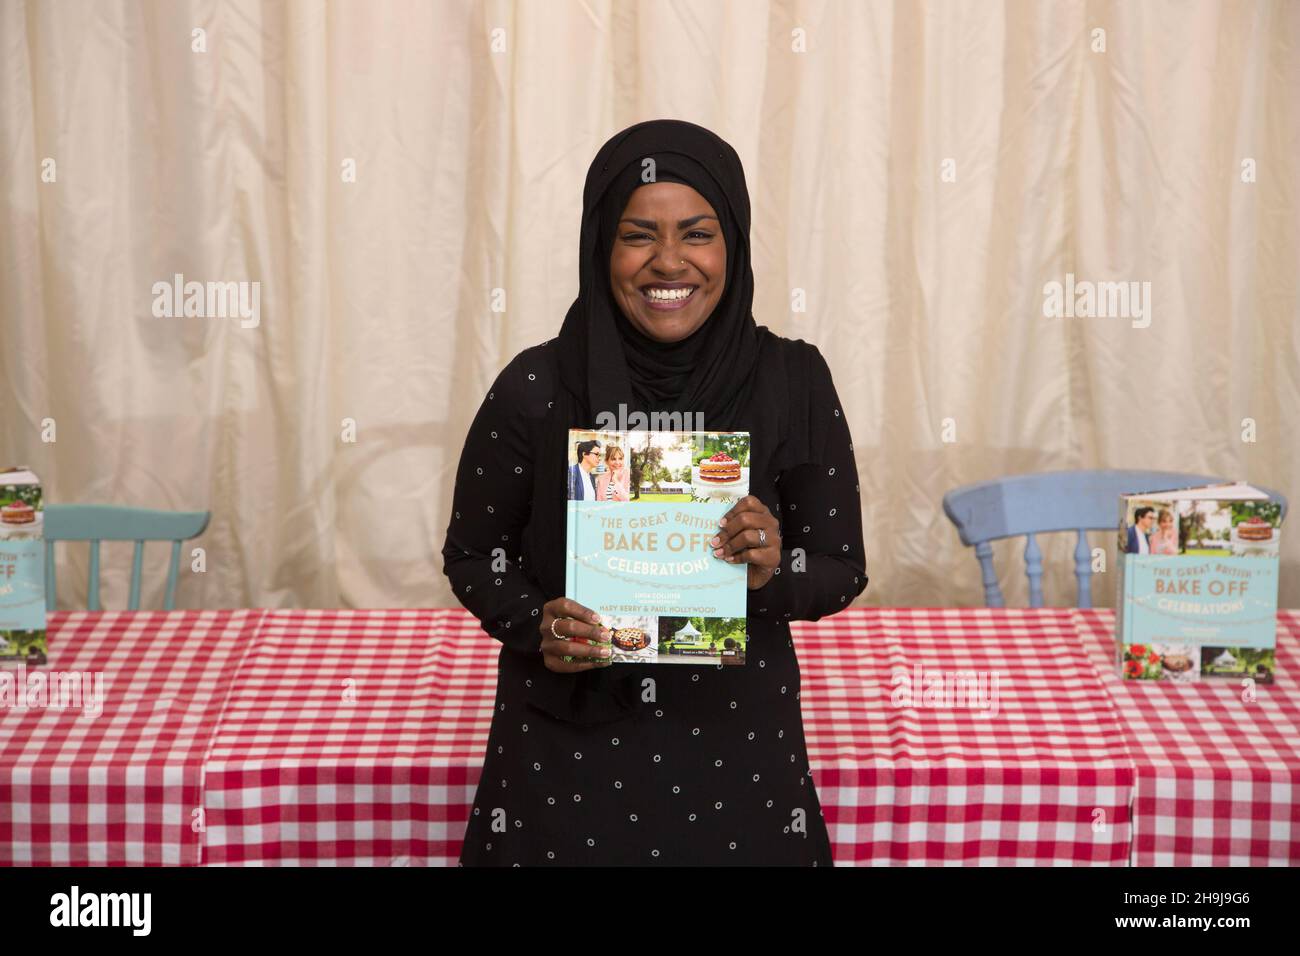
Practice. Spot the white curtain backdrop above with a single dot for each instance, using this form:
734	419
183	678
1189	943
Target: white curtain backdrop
918	172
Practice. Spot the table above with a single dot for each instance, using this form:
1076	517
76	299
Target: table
124	787
1217	775
1041	775
352	737
355	737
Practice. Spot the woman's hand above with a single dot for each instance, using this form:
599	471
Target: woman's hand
738	539
583	644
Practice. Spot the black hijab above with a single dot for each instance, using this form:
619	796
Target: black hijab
604	361
705	372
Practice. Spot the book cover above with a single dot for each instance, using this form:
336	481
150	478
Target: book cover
1197	585
642	508
22	568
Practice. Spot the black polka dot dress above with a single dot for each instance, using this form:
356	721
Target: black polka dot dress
711	768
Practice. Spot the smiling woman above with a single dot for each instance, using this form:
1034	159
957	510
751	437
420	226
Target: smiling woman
592	763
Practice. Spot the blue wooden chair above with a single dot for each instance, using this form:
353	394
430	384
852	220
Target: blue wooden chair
1050	501
96	523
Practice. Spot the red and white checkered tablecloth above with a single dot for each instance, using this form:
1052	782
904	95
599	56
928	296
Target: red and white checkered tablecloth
1217	774
301	771
122	787
339	736
352	737
1033	770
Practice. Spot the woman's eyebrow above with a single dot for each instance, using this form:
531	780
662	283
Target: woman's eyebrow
683	224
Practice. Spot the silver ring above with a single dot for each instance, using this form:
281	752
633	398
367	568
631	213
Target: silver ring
558	636
762	537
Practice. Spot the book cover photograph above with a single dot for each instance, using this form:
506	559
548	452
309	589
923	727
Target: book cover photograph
1197	587
642	508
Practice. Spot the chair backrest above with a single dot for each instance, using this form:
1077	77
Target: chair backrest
1049	501
96	523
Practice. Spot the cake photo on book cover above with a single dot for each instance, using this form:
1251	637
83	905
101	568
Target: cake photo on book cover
641	509
719	468
1197	585
22	569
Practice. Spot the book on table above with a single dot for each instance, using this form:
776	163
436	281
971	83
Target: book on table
1197	586
642	509
22	568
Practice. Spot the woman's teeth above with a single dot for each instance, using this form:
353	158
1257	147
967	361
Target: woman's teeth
668	295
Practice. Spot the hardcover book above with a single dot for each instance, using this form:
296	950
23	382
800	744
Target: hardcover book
642	508
22	568
1197	585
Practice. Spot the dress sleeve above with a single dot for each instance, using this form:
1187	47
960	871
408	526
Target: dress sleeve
491	506
823	560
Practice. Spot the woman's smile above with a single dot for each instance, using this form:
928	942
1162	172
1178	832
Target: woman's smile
668	297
